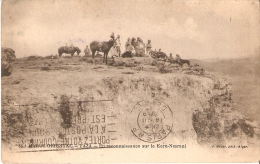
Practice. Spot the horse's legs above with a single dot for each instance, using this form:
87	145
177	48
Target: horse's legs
104	57
93	54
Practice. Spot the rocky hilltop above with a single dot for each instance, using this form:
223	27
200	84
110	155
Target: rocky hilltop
53	100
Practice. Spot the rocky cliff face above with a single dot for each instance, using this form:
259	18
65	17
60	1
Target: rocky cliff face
99	101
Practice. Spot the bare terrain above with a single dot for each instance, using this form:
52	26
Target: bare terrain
206	110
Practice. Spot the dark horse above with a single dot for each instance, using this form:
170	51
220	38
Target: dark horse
183	61
155	54
68	50
101	47
180	62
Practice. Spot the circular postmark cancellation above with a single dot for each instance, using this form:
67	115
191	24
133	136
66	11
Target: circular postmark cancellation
151	121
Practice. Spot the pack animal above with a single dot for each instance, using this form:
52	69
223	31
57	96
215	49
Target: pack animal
158	55
68	50
101	47
184	61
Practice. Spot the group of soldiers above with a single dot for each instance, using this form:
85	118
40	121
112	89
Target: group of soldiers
130	46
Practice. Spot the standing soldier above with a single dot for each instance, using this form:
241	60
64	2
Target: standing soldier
87	51
148	47
171	57
118	45
134	42
138	39
128	43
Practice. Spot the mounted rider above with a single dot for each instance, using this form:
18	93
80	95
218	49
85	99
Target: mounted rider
112	36
102	45
178	58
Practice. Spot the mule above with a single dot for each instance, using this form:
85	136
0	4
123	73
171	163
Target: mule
101	47
68	50
157	55
184	61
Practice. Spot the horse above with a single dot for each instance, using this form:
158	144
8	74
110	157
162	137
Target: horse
183	61
101	47
158	55
68	50
180	62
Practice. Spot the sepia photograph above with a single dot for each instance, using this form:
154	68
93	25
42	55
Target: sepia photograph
122	81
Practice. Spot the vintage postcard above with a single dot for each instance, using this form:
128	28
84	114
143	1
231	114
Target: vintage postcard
95	81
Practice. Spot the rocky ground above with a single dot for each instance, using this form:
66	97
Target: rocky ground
46	93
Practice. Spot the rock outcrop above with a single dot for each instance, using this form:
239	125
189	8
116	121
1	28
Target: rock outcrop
103	98
8	57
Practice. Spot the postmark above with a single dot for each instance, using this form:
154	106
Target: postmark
90	125
153	121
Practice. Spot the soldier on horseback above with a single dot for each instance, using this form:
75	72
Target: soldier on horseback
181	61
178	58
112	36
102	47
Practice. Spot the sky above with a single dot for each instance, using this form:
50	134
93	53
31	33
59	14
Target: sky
193	29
